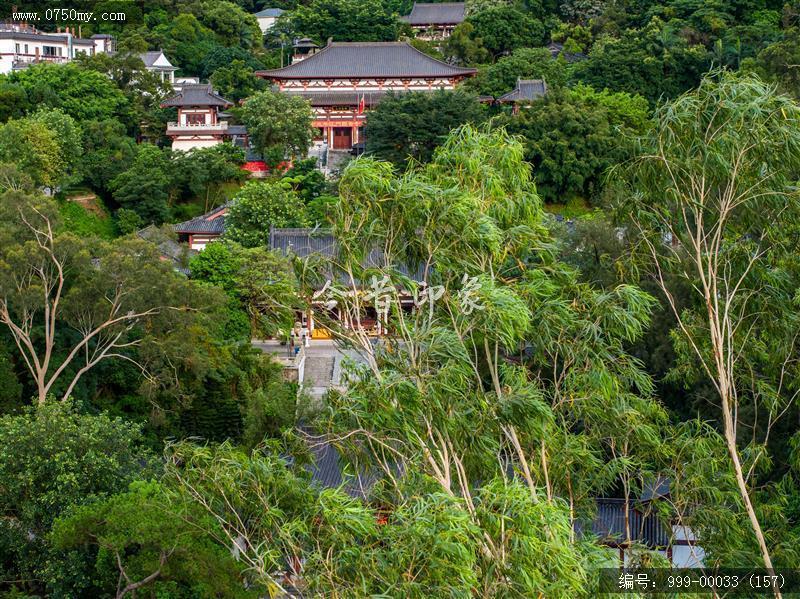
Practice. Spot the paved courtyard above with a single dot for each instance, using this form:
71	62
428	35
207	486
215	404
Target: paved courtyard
323	364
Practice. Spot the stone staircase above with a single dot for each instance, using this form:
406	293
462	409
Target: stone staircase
337	159
318	375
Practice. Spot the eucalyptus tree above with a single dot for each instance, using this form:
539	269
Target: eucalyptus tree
506	373
70	304
714	199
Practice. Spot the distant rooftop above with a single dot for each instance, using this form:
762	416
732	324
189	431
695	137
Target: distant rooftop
196	94
527	89
556	49
23	31
270	12
150	58
210	222
366	59
444	13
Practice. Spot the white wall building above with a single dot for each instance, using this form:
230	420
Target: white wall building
267	17
157	62
22	45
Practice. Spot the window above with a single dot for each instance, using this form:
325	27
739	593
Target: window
50	50
26	48
16	48
195	119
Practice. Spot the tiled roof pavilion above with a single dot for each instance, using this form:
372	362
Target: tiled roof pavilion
196	94
348	60
527	89
441	13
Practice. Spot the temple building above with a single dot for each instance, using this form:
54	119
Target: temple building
435	21
344	79
202	230
198	124
527	90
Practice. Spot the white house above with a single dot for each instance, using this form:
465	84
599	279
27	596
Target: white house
157	62
267	17
22	45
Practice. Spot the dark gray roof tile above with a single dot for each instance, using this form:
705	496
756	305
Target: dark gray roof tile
210	222
196	94
366	59
270	12
444	13
527	89
149	58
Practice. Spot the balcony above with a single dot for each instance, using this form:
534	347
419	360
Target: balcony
21	61
199	129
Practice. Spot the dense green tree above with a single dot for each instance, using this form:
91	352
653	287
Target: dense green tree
503	29
10	387
83	94
144	186
70	303
644	62
69	137
13	100
223	56
572	137
55	457
204	172
146	542
346	21
258	206
236	81
411	126
143	89
777	63
260	283
108	152
524	63
183	38
232	26
34	150
464	47
278	125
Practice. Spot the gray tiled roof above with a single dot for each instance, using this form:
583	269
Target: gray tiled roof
149	58
270	12
41	37
196	94
527	89
328	472
178	253
303	242
444	13
205	223
609	525
366	59
556	49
